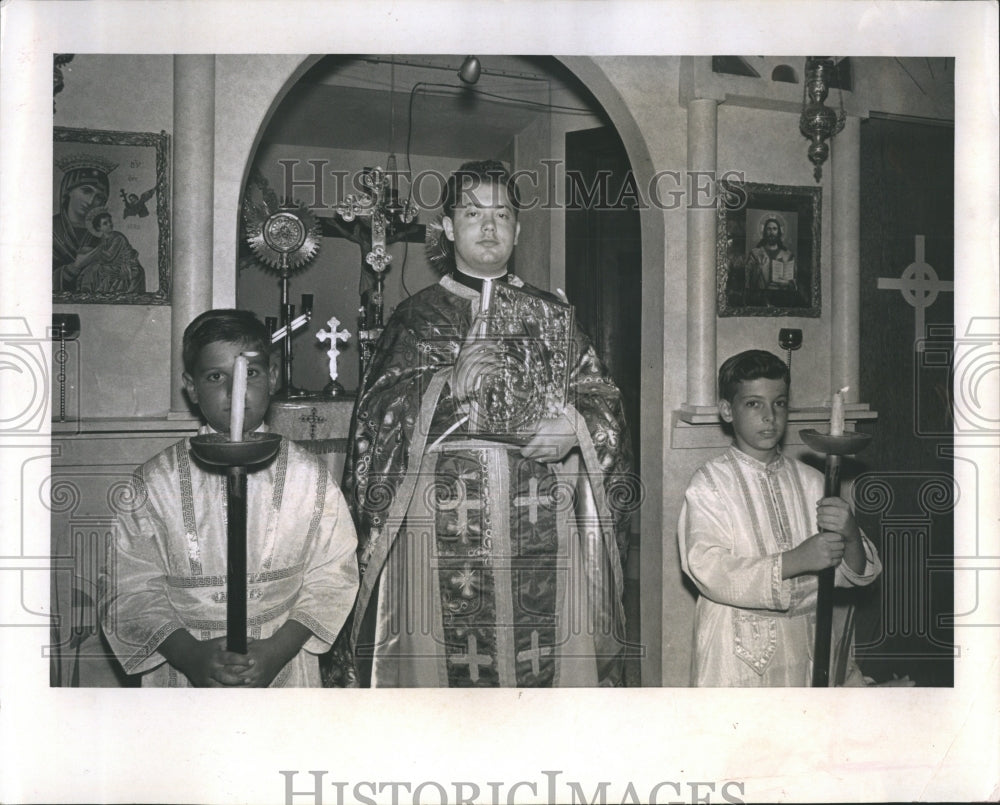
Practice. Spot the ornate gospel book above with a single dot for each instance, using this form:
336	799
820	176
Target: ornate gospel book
536	336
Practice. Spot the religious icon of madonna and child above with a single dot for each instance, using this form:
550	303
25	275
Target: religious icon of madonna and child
88	254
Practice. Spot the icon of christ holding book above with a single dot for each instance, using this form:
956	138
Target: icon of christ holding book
770	265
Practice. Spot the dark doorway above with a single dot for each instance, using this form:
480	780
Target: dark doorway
604	256
604	282
905	503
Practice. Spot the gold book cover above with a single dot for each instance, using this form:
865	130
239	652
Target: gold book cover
536	335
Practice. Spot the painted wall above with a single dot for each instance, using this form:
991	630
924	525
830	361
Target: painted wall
248	90
117	365
766	147
119	371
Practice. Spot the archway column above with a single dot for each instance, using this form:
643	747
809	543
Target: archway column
702	226
194	164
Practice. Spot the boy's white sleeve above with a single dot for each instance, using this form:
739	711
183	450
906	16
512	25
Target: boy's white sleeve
707	534
845	577
330	578
136	613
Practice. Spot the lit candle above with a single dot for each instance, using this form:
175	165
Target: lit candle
237	399
486	296
837	412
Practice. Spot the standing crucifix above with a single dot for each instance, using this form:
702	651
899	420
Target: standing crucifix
374	221
333	335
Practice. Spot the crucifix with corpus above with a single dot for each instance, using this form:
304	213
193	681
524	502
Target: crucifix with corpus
374	221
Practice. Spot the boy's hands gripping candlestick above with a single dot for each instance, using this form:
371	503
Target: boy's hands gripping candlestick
836	524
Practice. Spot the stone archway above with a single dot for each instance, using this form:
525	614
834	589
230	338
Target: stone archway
653	427
244	131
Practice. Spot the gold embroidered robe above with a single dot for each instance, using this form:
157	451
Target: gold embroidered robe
481	567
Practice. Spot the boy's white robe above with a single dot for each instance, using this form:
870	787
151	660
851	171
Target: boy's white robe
167	564
753	628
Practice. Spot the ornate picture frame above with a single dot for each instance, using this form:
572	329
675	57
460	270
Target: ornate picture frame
111	217
768	250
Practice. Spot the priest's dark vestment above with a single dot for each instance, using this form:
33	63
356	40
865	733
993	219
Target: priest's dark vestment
481	567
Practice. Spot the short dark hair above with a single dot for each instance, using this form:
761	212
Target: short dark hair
224	324
472	174
100	217
750	365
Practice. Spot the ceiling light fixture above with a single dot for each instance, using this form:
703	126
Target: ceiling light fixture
819	122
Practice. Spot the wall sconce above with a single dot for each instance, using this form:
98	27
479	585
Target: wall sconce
818	122
470	70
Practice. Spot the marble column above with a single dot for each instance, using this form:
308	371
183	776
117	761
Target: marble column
845	268
193	207
702	142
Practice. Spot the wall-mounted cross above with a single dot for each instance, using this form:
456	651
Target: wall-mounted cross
920	287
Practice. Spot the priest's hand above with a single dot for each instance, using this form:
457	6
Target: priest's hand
205	662
553	439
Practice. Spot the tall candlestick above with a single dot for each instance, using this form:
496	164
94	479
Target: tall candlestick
485	298
834	446
837	412
237	399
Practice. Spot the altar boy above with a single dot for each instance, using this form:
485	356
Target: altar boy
754	530
163	600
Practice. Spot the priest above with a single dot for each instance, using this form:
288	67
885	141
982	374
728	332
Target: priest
488	472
